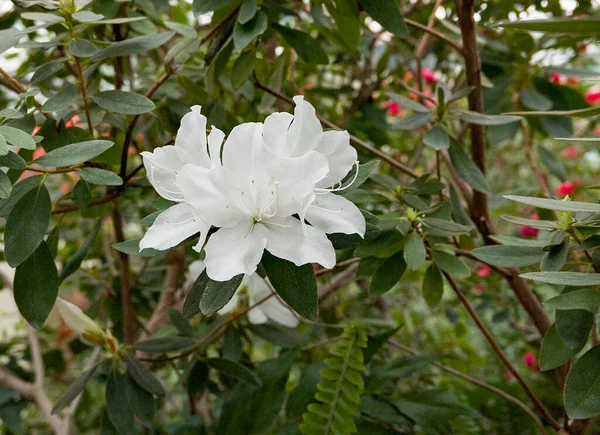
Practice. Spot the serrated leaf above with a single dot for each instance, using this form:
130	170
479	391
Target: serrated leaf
74	153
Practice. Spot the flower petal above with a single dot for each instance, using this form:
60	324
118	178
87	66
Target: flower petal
335	145
256	316
275	130
231	251
191	138
305	132
215	141
242	152
280	313
173	226
335	214
161	167
287	240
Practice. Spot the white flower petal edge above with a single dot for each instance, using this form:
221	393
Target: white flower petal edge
335	214
190	141
273	308
173	226
290	241
341	156
232	251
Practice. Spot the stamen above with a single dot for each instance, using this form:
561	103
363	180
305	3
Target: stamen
321	191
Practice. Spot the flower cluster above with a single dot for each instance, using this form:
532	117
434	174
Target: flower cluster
270	186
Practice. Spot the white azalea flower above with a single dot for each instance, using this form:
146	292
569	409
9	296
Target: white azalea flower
257	289
292	136
162	166
252	198
79	322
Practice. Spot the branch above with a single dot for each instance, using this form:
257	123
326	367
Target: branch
435	34
84	95
17	87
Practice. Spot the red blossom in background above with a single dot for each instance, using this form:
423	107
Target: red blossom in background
593	97
528	231
393	108
531	361
428	75
570	152
555	78
484	271
566	188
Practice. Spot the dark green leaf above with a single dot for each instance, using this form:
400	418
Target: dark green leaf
164	344
450	264
387	13
413	121
61	100
5	186
117	405
555	166
82	48
467	169
353	180
36	286
13	161
574	327
139	44
585	24
388	274
234	370
132	247
17	137
140	401
19	190
279	336
74	153
76	260
216	294
535	100
180	323
123	102
433	286
244	34
582	388
203	6
509	255
553	352
481	119
584	299
46	71
82	194
247	11
295	284
308	49
100	176
437	138
27	225
143	376
377	342
446	226
554	259
407	103
74	390
414	251
243	68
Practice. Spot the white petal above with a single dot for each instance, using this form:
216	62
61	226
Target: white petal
173	226
215	141
208	191
241	148
305	132
275	132
256	316
231	251
335	214
291	243
335	145
162	166
77	320
196	268
277	311
191	137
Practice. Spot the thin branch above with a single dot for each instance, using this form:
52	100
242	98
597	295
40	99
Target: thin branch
84	95
18	87
538	404
436	34
383	156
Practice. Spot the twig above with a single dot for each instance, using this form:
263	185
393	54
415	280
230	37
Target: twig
538	404
434	33
84	95
18	87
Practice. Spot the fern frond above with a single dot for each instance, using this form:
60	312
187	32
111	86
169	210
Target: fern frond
339	389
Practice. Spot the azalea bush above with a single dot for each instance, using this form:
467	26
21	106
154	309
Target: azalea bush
285	217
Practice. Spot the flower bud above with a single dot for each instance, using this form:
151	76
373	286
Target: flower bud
80	323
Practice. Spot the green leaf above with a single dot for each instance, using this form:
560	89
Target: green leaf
247	11
450	264
388	274
554	166
17	137
554	259
295	284
75	261
126	103
13	161
535	223
509	255
481	119
412	122
19	190
62	100
574	327
347	19
308	49
142	376
36	286
216	294
414	251
132	247
5	186
446	226
437	138
74	390
353	180
585	24
82	194
582	387
27	225
117	405
164	344
74	153
577	113
243	68
234	370
518	241
46	71
584	299
87	16
100	176
141	402
82	48
467	169
553	352
204	6
244	34
4	150
387	13
575	279
407	103
433	286
556	204
139	44
279	336
535	100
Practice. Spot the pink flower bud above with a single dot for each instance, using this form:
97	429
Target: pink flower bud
569	153
484	271
531	361
593	97
555	78
428	75
566	188
528	231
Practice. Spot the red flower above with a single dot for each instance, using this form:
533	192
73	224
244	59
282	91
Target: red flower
569	153
565	188
531	361
73	122
592	97
393	108
484	271
428	75
573	82
555	78
528	231
35	130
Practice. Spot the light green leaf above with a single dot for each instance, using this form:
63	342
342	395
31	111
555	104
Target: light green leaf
87	16
46	71
17	137
5	186
556	204
437	138
61	100
41	16
467	169
244	34
509	255
414	251
139	44
412	122
481	119
407	103
82	48
247	11
575	279
74	153
123	102
578	113
450	264
13	161
587	24
583	299
100	176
